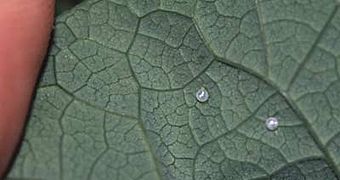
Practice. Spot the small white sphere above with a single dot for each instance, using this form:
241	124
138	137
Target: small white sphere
272	123
202	95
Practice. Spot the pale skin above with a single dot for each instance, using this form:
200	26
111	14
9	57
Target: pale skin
25	29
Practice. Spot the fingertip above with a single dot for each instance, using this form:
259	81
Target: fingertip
24	35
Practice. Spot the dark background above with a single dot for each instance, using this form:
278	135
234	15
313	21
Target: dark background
63	5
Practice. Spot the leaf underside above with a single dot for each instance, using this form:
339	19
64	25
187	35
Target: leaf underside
117	100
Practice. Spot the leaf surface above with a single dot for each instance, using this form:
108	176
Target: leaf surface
117	99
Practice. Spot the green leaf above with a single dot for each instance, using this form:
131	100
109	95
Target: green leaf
64	5
117	96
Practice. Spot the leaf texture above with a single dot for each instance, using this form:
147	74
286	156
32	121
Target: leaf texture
117	99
